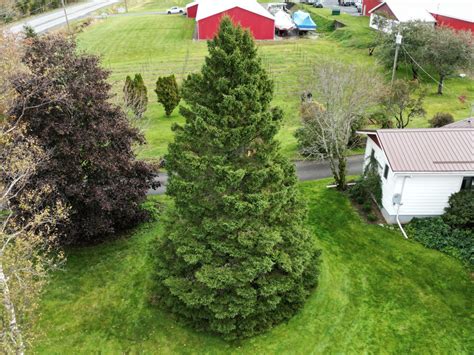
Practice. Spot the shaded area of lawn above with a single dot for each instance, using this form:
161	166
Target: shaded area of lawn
377	293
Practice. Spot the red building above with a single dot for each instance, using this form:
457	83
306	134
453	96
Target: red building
455	23
191	9
457	14
368	5
247	13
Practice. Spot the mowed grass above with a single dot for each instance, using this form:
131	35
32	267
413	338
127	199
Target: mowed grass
157	45
378	293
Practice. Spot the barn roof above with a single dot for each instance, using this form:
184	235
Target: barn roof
405	12
191	4
458	9
429	149
209	8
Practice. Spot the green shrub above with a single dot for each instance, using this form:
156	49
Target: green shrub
371	217
135	95
460	213
167	92
441	119
368	185
434	233
367	207
153	208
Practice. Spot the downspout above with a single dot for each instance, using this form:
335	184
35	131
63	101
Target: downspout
398	208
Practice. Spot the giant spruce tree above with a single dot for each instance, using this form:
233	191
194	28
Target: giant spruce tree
236	258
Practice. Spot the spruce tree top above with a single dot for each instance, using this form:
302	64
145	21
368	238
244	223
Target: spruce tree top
229	123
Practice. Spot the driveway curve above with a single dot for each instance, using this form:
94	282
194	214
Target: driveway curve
305	170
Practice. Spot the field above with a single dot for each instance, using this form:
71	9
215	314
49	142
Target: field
378	293
155	45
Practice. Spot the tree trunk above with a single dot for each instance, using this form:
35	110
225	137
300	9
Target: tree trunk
414	72
10	309
334	170
342	163
440	84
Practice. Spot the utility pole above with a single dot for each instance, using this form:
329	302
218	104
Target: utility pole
65	15
398	42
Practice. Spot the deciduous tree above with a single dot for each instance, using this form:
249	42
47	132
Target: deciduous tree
64	104
403	101
449	50
416	35
236	258
345	93
28	246
10	63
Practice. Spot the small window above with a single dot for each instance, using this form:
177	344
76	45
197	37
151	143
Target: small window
385	172
467	183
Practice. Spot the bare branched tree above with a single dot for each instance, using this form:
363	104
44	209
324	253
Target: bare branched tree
344	93
10	63
28	248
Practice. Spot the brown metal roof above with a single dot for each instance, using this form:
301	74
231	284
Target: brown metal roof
465	123
428	150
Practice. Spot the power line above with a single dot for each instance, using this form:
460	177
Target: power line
414	61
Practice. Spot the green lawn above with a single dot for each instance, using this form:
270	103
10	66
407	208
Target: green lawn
378	293
156	45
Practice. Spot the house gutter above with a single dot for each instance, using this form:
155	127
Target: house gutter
398	208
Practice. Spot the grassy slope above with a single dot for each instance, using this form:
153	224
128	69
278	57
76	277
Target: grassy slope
378	293
162	45
157	45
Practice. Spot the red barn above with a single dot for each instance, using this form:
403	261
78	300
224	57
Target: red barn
247	13
368	5
455	23
457	14
191	9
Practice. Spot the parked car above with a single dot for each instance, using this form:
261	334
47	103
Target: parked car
358	5
175	10
318	4
344	3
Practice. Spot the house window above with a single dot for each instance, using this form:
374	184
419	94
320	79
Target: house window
467	183
385	172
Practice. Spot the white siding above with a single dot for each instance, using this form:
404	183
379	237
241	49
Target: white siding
388	24
427	195
424	194
388	184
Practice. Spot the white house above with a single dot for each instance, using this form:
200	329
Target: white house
393	12
421	168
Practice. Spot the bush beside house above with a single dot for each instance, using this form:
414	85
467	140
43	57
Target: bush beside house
451	233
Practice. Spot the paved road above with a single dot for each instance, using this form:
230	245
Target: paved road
305	169
53	19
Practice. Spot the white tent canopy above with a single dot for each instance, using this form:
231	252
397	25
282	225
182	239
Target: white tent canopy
283	21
